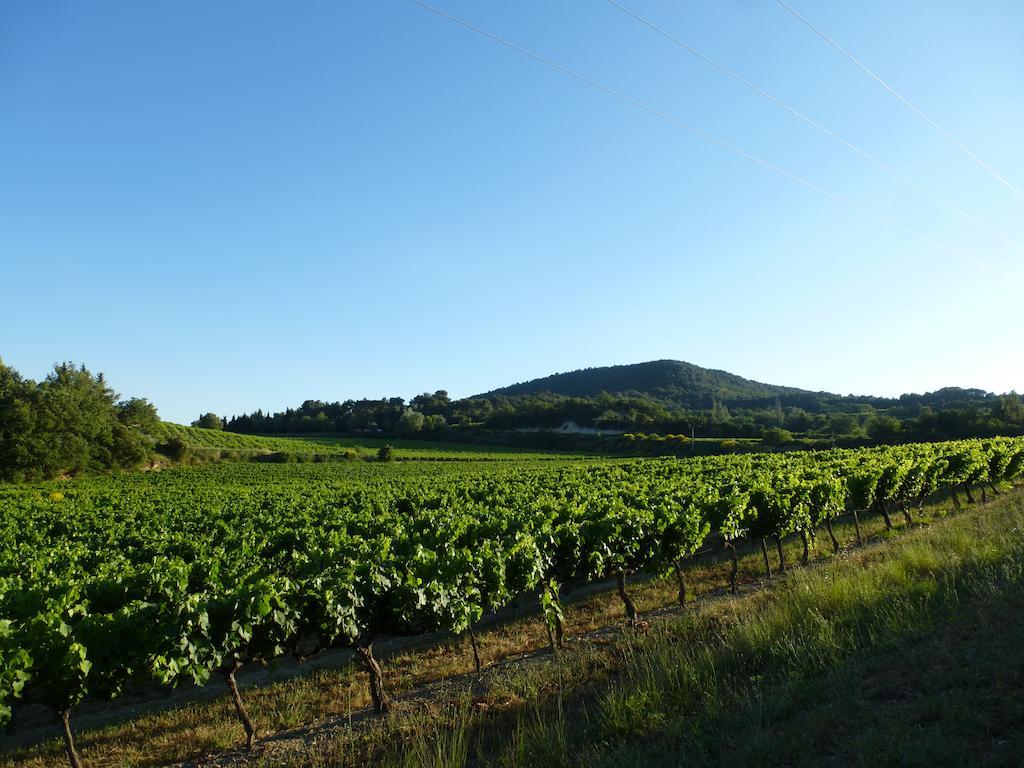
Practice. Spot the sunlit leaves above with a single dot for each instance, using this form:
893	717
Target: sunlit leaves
109	580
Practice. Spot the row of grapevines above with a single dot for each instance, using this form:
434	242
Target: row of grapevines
188	574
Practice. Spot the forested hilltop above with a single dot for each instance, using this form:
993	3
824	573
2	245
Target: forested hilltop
669	382
664	397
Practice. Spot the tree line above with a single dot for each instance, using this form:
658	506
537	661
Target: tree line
945	415
424	414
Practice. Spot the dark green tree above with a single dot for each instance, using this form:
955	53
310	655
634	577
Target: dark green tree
17	421
882	427
138	413
776	436
67	423
410	422
209	421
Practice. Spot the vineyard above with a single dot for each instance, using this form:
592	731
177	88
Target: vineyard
216	438
215	443
182	575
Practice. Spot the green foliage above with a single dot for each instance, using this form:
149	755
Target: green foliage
776	436
883	428
15	663
410	422
434	423
138	413
60	664
436	404
385	453
551	606
69	423
664	396
204	443
182	573
209	421
668	381
175	448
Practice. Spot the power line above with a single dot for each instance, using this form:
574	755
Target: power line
863	67
814	124
696	131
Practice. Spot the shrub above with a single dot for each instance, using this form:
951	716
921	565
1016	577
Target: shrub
277	457
776	436
386	453
175	449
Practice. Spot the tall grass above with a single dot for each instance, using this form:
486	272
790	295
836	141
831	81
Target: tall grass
815	620
540	739
439	745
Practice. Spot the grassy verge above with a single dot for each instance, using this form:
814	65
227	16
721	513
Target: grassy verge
911	661
950	695
730	667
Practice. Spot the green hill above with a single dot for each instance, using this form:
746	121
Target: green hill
671	382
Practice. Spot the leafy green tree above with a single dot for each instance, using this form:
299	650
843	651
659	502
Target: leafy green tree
843	424
175	449
882	427
776	436
69	422
72	426
410	422
17	422
75	415
437	404
798	420
1009	409
720	413
434	423
209	421
138	413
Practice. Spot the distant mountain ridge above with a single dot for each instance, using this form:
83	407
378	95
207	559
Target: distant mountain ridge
672	382
664	397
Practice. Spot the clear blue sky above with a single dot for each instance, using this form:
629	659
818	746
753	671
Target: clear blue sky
238	205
